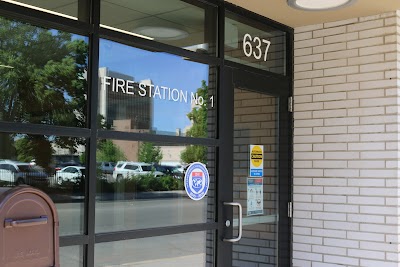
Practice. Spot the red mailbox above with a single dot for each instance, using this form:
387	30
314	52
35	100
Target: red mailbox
30	230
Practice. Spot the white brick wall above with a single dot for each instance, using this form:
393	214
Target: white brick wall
346	143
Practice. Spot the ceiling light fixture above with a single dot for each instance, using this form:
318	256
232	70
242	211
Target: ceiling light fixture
162	32
319	5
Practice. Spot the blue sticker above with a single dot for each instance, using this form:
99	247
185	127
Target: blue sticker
197	181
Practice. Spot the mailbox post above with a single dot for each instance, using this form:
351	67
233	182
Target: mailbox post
30	228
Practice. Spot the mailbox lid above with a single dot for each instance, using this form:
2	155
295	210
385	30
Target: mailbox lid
30	229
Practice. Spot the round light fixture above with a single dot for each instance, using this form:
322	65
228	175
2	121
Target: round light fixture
319	5
162	33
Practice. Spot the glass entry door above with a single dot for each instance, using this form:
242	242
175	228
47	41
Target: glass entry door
256	211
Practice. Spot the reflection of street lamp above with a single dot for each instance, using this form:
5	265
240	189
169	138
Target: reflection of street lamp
6	66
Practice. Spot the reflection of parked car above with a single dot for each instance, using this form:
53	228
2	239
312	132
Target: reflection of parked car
106	167
126	169
168	170
72	174
22	173
61	165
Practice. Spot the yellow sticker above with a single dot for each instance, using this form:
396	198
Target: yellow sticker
256	156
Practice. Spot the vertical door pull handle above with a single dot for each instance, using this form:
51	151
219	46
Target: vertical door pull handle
240	222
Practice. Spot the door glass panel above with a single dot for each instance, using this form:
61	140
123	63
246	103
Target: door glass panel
181	250
255	123
145	189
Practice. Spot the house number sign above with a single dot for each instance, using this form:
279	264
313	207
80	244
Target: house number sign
255	47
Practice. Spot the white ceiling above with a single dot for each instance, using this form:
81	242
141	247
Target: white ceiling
279	11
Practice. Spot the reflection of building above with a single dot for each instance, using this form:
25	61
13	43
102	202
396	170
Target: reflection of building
129	148
124	112
130	112
115	105
171	154
66	155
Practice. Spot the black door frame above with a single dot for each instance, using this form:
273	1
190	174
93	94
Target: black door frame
280	87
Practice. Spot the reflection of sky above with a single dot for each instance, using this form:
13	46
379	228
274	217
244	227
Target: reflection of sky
164	70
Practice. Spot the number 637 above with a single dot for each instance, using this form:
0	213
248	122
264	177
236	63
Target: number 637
248	42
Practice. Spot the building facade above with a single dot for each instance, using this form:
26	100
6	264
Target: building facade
291	132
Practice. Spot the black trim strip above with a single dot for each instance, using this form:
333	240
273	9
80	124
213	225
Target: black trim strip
75	240
171	230
261	83
201	3
93	80
241	67
157	47
28	128
157	138
225	174
44	19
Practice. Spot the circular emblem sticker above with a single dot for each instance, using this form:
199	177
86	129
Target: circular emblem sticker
197	181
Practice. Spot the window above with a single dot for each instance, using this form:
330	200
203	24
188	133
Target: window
42	75
254	44
32	160
174	22
152	92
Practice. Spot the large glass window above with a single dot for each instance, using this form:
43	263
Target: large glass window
71	256
141	185
181	250
174	22
254	44
154	92
54	164
42	75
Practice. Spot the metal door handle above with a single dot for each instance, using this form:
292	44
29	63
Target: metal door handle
9	223
240	222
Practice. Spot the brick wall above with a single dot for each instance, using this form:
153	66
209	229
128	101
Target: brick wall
346	143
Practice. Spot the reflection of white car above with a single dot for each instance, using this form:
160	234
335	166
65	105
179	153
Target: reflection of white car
70	173
126	169
22	173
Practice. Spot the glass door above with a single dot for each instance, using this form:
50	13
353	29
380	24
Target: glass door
256	218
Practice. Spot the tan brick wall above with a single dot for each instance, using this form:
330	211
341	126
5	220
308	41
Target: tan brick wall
346	143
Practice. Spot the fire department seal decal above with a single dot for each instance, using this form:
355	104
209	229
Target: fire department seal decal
197	181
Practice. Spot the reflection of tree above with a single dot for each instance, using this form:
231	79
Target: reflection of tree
107	151
150	153
6	146
44	84
198	116
27	146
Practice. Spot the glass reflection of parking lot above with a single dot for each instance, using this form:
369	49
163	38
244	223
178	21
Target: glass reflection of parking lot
42	162
145	188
